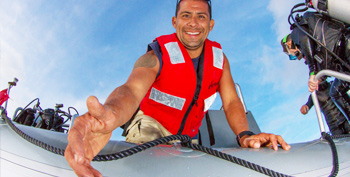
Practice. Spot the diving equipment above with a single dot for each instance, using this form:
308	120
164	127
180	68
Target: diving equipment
338	9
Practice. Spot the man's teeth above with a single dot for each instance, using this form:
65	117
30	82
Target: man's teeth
192	33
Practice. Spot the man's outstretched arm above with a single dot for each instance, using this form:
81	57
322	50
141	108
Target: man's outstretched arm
91	131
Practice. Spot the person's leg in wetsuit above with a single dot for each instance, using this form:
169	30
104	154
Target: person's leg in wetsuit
334	117
338	93
341	100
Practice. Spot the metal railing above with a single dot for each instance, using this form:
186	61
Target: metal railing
335	74
238	88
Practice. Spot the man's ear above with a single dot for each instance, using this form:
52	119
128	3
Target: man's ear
173	20
212	23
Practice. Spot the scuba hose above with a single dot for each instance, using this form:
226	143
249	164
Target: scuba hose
331	143
309	35
22	109
295	11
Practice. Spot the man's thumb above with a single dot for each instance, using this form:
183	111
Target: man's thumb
95	108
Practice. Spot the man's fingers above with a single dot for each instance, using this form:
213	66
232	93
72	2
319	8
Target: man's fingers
74	158
273	141
78	161
75	138
80	166
80	150
277	139
268	140
95	172
284	145
251	142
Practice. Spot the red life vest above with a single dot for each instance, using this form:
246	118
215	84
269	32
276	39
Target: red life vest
176	99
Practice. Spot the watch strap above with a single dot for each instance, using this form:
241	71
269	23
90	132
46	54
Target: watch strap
240	135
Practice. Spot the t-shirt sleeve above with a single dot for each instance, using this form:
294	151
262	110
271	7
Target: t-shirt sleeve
156	48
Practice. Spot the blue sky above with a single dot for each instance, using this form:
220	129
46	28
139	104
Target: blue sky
63	51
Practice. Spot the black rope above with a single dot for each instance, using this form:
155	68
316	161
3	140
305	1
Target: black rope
185	139
141	147
32	140
235	160
186	142
335	169
340	136
334	150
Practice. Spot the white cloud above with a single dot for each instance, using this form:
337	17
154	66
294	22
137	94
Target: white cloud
51	48
281	11
285	75
58	51
29	52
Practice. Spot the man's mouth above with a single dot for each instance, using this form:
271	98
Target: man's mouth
192	33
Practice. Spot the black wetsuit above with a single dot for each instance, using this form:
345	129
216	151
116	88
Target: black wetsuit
333	35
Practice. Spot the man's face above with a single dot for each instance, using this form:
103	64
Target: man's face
193	23
293	50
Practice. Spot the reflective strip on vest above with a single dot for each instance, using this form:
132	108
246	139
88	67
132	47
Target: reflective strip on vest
209	101
167	99
174	52
218	56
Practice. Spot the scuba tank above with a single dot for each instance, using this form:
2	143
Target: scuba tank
338	9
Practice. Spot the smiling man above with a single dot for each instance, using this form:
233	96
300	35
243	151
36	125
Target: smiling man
174	84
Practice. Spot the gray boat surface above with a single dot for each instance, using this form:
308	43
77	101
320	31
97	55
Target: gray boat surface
314	158
19	157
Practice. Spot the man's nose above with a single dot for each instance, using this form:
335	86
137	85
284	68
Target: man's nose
193	22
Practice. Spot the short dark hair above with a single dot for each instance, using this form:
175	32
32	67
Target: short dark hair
178	7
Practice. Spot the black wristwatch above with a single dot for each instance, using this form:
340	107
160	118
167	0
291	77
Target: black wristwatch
240	135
